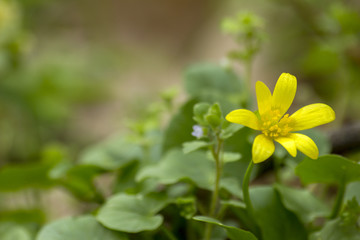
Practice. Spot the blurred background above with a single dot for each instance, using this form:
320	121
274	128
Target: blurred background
71	72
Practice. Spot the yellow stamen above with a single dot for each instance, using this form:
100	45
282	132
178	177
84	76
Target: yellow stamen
273	125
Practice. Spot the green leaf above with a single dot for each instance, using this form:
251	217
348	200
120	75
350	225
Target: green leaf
230	130
212	83
13	178
206	79
275	221
132	213
189	147
177	166
231	185
336	230
79	181
330	169
80	228
352	190
302	203
11	231
343	227
232	232
231	157
180	127
23	216
111	154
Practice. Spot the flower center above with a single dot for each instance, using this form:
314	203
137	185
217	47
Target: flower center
274	126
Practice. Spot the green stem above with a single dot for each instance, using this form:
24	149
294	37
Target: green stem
247	200
339	200
245	188
214	199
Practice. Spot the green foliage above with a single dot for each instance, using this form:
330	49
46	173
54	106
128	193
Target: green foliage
302	203
150	182
179	129
11	231
330	169
82	228
132	213
174	167
275	221
13	178
232	232
343	227
23	216
211	83
111	154
247	29
189	147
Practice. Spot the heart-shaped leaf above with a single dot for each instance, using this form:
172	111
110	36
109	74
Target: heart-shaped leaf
81	228
176	166
330	169
132	213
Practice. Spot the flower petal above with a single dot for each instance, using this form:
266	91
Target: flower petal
262	149
263	96
284	92
311	116
305	145
288	144
244	117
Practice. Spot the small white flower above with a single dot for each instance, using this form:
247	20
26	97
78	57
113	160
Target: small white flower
197	131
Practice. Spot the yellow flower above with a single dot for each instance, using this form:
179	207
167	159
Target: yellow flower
276	125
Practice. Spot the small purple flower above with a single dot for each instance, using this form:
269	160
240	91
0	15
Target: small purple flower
198	131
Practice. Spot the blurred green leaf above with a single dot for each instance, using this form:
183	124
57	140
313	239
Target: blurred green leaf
80	228
346	16
132	213
302	203
212	83
275	221
14	178
111	154
23	216
79	181
177	166
231	157
331	169
180	127
352	190
204	79
232	185
230	130
232	232
11	231
336	230
321	59
189	147
125	179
